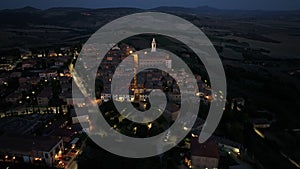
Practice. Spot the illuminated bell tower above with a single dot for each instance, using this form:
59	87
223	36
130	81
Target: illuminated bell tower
153	45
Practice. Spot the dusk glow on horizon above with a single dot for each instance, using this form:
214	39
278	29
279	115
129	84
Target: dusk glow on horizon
228	4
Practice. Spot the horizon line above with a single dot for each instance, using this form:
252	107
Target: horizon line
112	7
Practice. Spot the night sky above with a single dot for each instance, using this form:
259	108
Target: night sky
146	4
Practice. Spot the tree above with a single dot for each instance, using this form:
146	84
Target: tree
55	101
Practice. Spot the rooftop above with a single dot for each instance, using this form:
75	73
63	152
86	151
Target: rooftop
26	144
207	149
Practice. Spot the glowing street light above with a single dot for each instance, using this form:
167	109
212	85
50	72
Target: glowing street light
134	130
149	126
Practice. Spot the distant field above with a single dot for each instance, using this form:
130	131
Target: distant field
287	48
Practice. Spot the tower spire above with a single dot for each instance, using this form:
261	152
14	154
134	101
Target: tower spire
153	45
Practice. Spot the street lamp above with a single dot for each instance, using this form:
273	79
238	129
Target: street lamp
149	126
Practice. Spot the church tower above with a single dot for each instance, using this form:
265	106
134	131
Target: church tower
153	46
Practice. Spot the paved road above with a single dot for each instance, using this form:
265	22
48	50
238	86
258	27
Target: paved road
73	165
269	155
